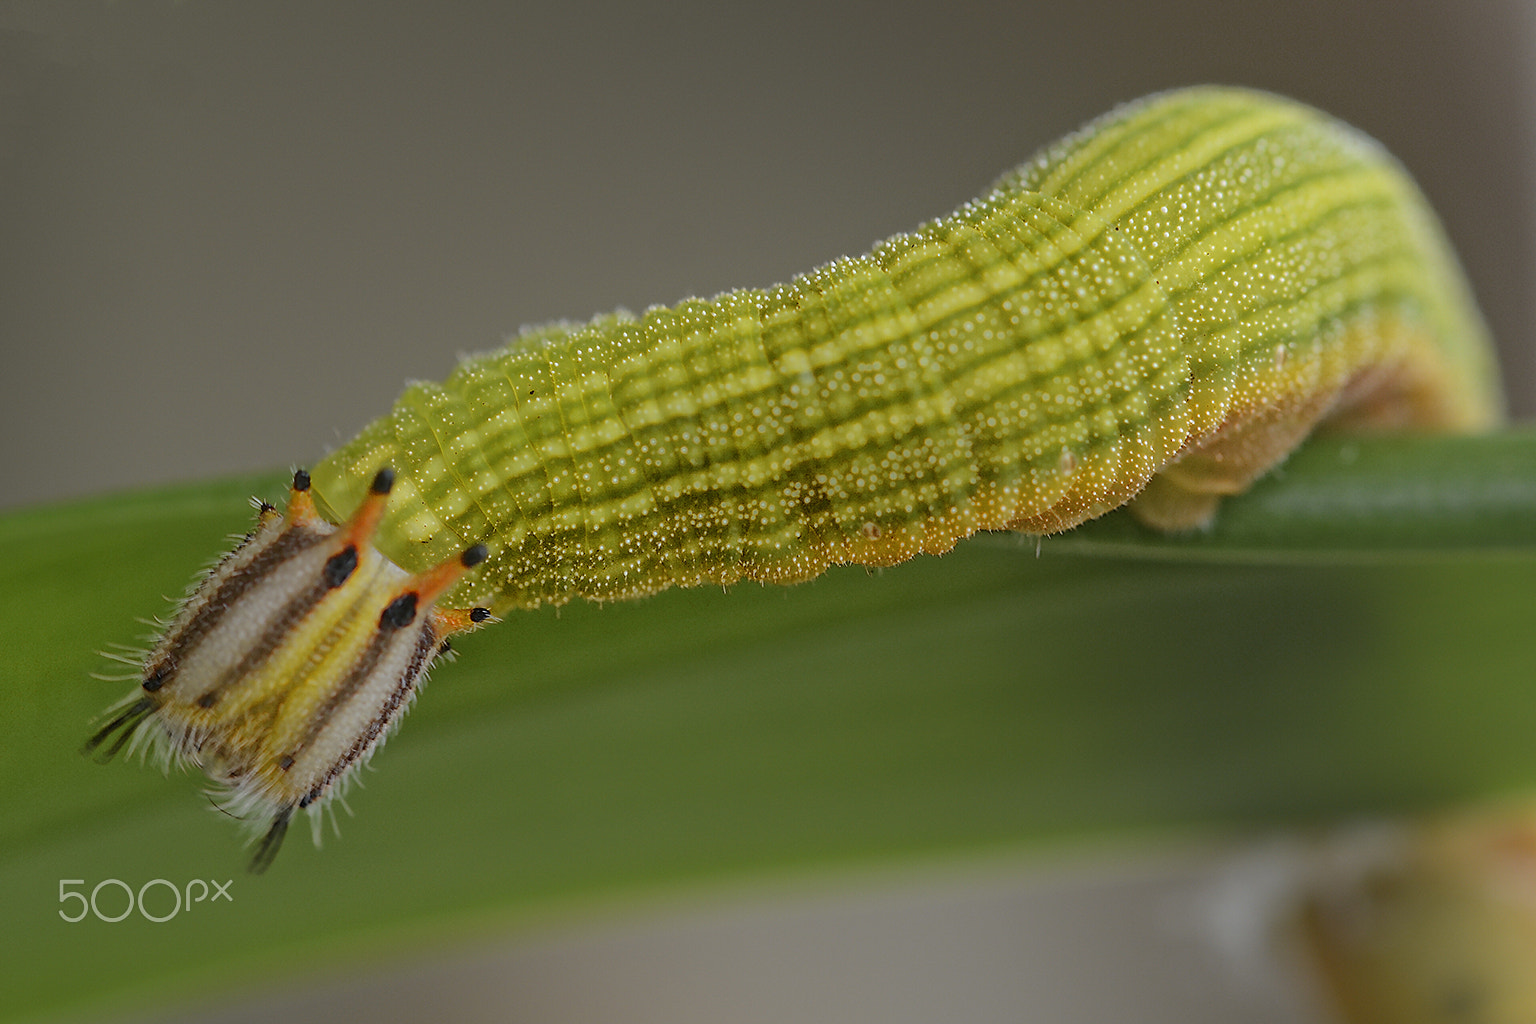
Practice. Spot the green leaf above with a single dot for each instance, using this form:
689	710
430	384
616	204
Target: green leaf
1367	647
1350	498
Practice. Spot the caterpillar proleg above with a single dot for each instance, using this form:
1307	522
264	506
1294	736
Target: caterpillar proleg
1153	311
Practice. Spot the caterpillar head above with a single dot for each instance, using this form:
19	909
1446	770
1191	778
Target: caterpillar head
291	662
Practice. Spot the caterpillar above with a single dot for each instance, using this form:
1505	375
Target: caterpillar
1153	311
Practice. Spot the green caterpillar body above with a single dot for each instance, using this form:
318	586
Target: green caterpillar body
1154	311
1174	295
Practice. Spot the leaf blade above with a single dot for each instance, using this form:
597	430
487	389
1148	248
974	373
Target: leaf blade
986	698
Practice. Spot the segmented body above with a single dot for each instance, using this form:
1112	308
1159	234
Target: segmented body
1193	263
1155	310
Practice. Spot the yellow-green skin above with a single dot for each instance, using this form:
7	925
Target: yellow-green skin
1180	290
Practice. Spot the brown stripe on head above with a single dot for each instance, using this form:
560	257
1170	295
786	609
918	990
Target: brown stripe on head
292	661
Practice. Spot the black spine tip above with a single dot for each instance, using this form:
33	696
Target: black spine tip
301	479
129	722
479	614
474	556
340	566
383	480
400	613
266	852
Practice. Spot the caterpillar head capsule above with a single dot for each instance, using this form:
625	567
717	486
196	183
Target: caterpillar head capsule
291	662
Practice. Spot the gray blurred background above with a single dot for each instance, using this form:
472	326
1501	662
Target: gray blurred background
230	231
